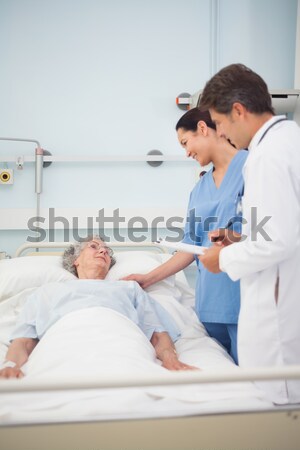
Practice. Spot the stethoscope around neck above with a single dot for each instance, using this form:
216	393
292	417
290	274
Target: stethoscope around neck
239	197
238	208
269	127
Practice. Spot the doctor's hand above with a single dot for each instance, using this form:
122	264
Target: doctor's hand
210	259
224	236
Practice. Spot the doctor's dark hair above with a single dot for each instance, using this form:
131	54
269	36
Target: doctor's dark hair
189	121
236	83
71	254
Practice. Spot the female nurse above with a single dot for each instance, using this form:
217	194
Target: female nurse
212	205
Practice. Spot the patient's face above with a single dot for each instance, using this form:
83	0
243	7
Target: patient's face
94	260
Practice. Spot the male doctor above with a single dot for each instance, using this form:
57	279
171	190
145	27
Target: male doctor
267	258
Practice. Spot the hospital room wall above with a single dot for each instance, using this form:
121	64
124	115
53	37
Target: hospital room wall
100	78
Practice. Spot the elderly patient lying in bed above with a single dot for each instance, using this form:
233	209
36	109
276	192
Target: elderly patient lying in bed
90	261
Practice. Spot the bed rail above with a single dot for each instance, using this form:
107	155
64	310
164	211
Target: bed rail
118	246
171	378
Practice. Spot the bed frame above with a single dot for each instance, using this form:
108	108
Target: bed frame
245	431
48	248
260	430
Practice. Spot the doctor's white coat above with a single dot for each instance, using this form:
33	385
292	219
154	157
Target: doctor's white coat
268	260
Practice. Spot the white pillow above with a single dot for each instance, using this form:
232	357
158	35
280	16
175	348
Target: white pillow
141	262
128	262
18	274
26	272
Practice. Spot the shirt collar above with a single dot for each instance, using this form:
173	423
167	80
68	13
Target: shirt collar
255	140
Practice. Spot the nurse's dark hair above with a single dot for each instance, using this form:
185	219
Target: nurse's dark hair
236	83
189	121
73	251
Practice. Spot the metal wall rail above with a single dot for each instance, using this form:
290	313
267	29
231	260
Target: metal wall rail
95	158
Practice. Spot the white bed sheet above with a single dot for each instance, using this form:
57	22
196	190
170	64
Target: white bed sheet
74	344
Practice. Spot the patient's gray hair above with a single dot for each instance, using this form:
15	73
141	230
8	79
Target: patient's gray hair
71	254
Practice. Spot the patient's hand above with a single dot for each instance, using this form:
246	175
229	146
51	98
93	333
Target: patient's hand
11	372
166	352
171	362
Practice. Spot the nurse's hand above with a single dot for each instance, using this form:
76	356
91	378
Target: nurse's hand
224	236
210	259
139	278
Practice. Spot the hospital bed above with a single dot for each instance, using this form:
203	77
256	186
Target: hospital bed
218	407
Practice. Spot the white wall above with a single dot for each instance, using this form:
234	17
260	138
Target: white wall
96	77
260	34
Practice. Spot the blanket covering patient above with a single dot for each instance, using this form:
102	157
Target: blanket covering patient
75	300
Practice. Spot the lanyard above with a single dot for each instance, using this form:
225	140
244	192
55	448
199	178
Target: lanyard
272	125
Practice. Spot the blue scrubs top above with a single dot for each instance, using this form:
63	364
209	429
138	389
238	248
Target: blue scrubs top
217	296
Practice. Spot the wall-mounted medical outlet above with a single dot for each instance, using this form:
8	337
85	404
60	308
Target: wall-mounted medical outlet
6	176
